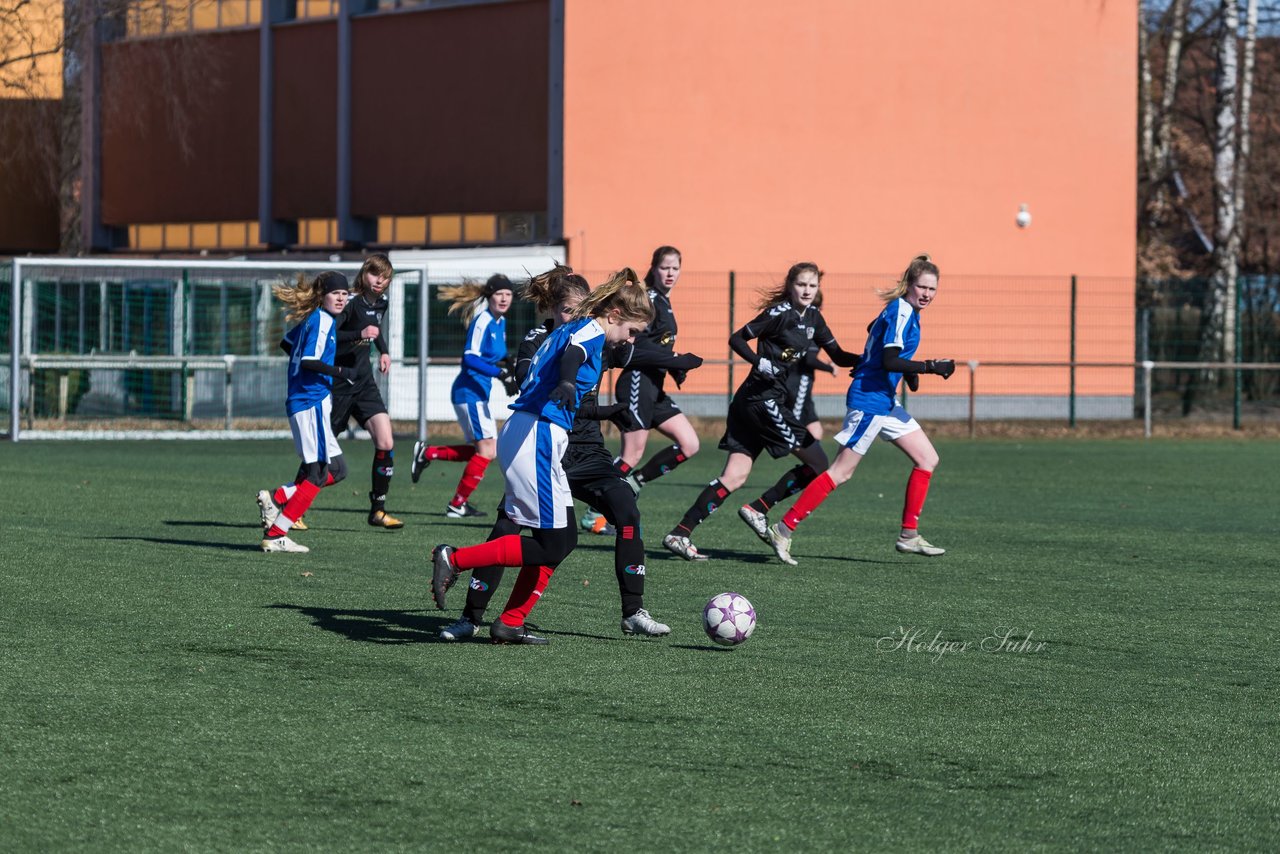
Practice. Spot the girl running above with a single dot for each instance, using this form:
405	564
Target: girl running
531	445
483	309
588	466
892	340
759	418
311	346
360	326
642	385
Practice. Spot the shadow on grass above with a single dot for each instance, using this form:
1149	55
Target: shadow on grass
759	557
373	626
199	523
235	547
702	647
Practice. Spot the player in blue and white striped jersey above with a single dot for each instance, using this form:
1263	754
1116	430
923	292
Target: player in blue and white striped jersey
311	346
532	444
483	309
873	410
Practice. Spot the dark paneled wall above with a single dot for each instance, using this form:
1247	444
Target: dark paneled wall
180	129
28	176
450	110
305	146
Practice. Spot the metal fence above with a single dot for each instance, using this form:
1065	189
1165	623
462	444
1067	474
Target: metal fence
145	348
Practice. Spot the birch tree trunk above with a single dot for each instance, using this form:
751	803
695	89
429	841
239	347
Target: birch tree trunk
1164	118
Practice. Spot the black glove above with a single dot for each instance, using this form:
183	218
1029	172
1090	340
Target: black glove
679	376
912	380
625	420
509	382
564	395
942	367
684	362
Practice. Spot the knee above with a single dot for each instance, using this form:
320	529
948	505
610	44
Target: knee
623	509
315	473
690	445
928	462
338	468
732	482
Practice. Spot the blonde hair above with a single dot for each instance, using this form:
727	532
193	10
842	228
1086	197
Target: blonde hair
625	292
919	265
379	265
300	298
467	298
547	290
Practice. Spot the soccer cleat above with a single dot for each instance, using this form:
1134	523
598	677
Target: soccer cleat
300	525
755	520
283	544
500	632
460	630
640	623
419	462
780	539
443	573
918	545
589	520
463	511
267	509
383	519
676	544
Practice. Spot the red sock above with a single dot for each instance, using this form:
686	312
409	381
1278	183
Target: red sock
814	494
917	491
528	590
294	509
449	453
504	551
283	493
471	477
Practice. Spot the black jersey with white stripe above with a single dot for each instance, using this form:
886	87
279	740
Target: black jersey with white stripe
353	351
656	345
784	335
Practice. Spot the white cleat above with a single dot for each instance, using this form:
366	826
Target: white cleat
918	545
640	623
755	520
267	509
681	546
283	544
780	539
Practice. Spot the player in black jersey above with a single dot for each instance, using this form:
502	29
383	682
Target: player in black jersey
360	326
642	386
786	329
592	476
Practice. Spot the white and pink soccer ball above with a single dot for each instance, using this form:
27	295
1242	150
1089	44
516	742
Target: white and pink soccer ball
729	619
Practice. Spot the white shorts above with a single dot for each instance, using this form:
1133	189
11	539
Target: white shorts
861	429
475	419
313	434
529	451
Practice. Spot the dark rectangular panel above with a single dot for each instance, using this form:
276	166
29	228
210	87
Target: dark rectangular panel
180	128
306	120
450	110
29	176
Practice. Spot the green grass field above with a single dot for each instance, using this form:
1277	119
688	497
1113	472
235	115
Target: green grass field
167	686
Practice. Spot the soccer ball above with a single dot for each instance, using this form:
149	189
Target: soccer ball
729	619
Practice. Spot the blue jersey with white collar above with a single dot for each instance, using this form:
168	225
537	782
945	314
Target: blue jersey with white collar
873	388
316	337
544	371
486	342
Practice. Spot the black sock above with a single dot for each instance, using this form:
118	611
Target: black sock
661	463
383	468
789	484
707	503
628	565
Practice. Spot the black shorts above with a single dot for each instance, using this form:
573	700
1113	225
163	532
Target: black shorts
804	409
648	403
361	401
763	426
595	480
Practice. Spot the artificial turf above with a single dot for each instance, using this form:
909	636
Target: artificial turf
164	685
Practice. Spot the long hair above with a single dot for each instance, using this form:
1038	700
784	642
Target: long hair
549	289
919	265
467	299
782	293
650	278
300	298
625	292
379	265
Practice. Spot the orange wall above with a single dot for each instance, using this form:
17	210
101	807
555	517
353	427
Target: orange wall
753	133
